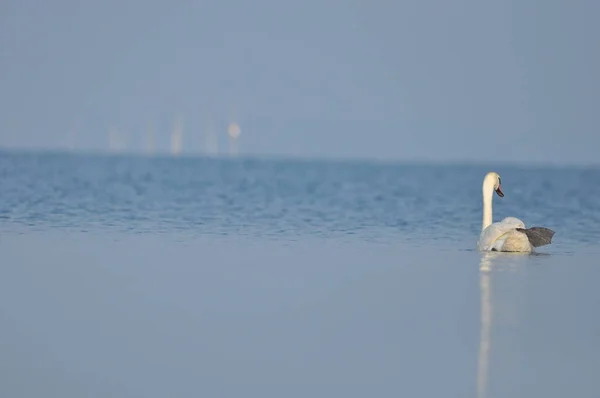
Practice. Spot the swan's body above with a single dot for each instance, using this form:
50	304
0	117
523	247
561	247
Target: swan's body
510	234
503	236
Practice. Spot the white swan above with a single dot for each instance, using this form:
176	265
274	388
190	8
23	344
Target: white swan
510	234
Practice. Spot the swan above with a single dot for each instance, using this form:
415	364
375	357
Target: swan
510	234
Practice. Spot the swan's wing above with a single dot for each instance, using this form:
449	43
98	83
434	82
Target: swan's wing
514	222
495	231
538	236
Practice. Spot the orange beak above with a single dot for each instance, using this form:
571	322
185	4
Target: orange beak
499	192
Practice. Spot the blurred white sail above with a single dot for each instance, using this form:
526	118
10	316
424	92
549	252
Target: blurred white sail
177	137
211	144
150	141
117	140
233	131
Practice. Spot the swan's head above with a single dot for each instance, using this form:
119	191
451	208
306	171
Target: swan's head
493	181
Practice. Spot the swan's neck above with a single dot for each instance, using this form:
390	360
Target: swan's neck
487	207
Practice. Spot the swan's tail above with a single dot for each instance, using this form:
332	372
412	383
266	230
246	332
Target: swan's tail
538	236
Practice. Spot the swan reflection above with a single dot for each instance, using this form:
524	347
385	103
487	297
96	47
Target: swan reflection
490	264
485	267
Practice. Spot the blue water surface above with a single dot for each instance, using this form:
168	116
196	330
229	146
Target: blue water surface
286	198
131	276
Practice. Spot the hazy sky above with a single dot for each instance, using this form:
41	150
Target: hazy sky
464	80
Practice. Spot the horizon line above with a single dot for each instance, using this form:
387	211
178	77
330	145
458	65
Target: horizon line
299	157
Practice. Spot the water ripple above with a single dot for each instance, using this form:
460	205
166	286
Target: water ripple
278	197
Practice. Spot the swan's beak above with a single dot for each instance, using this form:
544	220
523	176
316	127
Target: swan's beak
499	192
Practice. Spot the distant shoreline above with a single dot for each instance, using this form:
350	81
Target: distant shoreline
298	158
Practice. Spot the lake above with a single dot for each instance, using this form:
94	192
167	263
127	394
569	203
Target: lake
129	276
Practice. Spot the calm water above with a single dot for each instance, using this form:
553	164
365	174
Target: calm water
138	277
